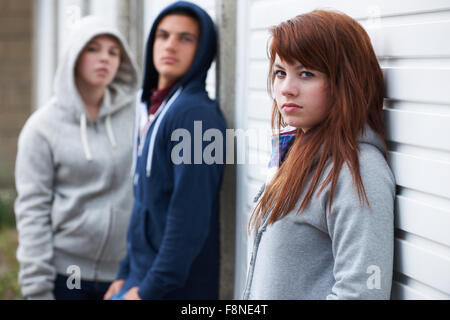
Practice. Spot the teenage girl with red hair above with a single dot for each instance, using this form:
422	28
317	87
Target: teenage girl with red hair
323	227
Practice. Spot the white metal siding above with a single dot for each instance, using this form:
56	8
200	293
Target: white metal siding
52	28
411	41
69	12
44	51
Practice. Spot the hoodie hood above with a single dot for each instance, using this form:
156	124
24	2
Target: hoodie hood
369	136
119	94
124	86
205	54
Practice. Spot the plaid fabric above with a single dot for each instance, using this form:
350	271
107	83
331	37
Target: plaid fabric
281	145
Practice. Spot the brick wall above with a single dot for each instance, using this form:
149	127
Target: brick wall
15	80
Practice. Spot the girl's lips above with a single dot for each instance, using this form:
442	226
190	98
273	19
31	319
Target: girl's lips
290	107
103	71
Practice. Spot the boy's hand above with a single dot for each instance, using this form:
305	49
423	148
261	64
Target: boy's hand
113	289
132	294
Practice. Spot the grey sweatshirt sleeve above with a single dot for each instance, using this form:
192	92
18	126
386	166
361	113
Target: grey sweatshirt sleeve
34	184
363	237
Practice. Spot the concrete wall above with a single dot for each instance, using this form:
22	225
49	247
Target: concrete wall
226	11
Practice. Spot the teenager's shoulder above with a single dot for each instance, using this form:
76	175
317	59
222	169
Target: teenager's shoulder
376	175
195	106
372	158
42	118
373	168
195	99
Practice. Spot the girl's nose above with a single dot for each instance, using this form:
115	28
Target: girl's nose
104	55
289	88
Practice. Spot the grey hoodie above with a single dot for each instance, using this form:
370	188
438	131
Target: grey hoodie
343	254
73	176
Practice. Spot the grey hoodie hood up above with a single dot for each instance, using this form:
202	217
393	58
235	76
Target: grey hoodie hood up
73	175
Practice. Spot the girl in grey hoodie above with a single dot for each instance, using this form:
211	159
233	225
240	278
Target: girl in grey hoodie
73	170
323	227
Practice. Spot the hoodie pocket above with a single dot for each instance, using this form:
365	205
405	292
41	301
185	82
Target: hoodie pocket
140	239
86	237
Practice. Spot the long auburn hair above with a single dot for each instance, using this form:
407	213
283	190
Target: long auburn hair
337	45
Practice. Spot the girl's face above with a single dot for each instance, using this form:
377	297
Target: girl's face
302	95
99	61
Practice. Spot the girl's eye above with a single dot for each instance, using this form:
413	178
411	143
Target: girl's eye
279	73
306	74
91	49
114	53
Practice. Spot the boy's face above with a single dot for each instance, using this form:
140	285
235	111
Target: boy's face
174	49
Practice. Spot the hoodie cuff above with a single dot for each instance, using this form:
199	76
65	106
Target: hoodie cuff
148	290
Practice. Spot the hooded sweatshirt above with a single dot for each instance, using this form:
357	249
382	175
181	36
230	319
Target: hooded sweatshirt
73	175
343	254
173	239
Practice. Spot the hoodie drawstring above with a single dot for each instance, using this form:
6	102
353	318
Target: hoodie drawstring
137	122
84	138
164	107
110	132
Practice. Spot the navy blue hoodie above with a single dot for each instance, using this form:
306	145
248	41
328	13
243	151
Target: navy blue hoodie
173	246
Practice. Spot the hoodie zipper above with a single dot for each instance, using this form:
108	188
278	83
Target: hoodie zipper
256	242
251	268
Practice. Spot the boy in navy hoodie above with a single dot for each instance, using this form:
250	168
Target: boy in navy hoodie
173	246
